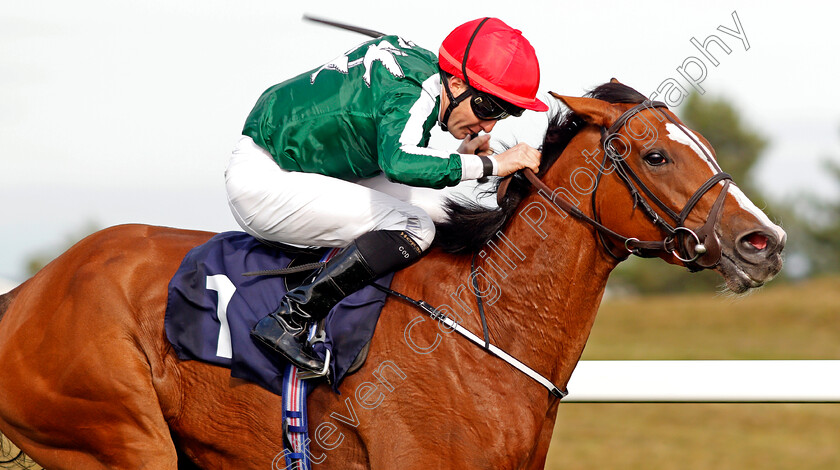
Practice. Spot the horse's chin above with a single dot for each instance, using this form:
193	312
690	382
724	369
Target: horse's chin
741	276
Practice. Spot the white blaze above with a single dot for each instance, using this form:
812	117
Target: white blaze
676	134
748	206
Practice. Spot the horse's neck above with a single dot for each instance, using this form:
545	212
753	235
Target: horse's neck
548	302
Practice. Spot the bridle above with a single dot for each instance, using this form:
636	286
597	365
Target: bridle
705	252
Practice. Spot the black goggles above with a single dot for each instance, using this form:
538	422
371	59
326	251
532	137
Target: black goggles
487	107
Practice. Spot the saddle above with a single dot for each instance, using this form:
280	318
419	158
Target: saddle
225	286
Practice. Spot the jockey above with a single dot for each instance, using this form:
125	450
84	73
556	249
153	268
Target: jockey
338	157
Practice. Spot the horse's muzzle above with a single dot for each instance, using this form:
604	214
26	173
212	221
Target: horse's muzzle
755	258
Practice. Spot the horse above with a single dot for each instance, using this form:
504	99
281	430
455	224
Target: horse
90	381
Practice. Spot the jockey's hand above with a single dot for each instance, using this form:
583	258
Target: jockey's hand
518	157
479	146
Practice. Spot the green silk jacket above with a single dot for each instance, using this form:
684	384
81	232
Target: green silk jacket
368	111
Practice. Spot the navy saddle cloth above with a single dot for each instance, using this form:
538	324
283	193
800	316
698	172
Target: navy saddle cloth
212	307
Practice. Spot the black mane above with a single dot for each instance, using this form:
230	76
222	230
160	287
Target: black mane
470	225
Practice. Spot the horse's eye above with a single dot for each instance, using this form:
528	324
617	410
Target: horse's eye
655	159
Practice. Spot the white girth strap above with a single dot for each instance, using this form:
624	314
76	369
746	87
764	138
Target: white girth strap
493	349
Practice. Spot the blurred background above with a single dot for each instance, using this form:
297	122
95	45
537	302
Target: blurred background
124	112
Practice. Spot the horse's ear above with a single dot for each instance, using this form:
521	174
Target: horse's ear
614	80
594	111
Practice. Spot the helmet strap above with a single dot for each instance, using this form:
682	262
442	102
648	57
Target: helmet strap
453	101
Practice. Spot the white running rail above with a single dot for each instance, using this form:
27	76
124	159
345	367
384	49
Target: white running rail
789	381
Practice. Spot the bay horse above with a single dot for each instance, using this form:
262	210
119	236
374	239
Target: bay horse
89	380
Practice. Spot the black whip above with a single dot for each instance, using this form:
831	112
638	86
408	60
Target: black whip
349	27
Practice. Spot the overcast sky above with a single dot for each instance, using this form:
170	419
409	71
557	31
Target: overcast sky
115	112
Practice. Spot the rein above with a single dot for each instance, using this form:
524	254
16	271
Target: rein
706	249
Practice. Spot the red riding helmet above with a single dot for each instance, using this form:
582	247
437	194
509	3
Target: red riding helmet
494	58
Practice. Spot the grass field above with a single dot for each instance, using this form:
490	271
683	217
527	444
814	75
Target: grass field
792	321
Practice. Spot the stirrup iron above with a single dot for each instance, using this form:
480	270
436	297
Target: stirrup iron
305	374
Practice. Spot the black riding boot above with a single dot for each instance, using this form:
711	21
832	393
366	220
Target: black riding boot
369	257
286	330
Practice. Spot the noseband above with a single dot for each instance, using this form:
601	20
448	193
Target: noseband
698	249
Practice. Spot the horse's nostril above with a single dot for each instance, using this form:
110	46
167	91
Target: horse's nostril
756	246
757	240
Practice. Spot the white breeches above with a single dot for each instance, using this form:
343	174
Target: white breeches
309	209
